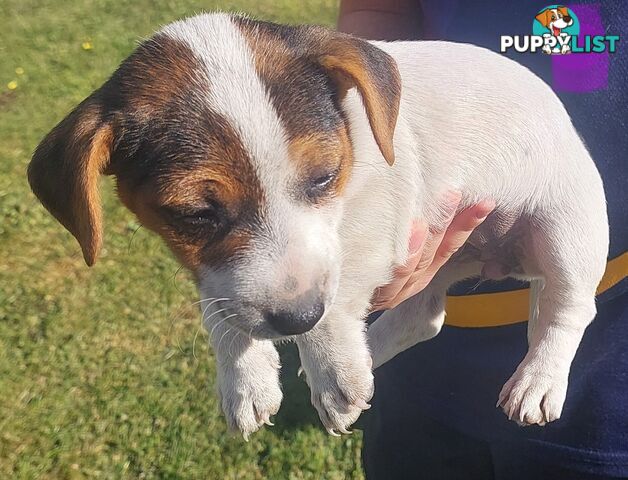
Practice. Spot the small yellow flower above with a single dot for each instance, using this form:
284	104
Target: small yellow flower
19	71
12	85
87	45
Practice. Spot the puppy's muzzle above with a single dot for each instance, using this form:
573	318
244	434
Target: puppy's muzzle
299	318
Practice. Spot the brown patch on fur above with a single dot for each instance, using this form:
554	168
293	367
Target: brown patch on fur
159	74
317	154
308	70
193	248
219	174
303	95
149	125
346	166
381	100
65	169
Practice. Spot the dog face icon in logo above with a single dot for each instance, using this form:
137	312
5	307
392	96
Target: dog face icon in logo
557	24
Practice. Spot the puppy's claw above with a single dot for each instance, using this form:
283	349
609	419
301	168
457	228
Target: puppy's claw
267	421
345	431
299	372
511	411
362	405
333	432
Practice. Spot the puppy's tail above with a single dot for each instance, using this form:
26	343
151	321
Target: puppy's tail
536	287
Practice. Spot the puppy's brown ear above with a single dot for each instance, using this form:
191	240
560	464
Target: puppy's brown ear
544	17
563	11
65	169
354	62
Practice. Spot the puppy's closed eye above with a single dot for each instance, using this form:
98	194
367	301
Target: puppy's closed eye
320	184
208	219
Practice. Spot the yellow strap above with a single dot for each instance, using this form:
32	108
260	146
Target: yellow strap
506	308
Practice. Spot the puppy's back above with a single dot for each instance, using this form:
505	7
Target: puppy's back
487	122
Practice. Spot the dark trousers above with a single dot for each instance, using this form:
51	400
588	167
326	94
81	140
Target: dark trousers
423	449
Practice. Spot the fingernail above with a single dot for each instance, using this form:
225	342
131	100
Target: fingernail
416	239
489	206
451	203
453	197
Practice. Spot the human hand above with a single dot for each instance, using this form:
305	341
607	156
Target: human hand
429	251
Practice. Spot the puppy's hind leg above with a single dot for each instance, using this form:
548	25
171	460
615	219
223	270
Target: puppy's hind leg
571	262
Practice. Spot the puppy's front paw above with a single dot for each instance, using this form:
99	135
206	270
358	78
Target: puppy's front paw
340	392
249	388
533	396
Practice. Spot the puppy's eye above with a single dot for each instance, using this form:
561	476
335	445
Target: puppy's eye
206	217
319	185
323	181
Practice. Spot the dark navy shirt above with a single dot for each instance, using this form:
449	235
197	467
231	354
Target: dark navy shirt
456	377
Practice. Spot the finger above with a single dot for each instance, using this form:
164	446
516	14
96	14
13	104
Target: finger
414	269
383	295
436	234
418	239
409	290
459	232
420	261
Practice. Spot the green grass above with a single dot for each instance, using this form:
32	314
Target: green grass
99	375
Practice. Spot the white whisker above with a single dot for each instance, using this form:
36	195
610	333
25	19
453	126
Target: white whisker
206	320
220	323
237	332
223	336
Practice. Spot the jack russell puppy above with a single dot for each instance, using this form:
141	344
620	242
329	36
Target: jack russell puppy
284	166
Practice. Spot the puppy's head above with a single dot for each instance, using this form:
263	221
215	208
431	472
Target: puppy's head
226	136
555	19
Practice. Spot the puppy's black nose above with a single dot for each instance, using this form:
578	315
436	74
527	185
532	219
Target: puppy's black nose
567	19
295	322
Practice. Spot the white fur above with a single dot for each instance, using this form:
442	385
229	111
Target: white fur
469	120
